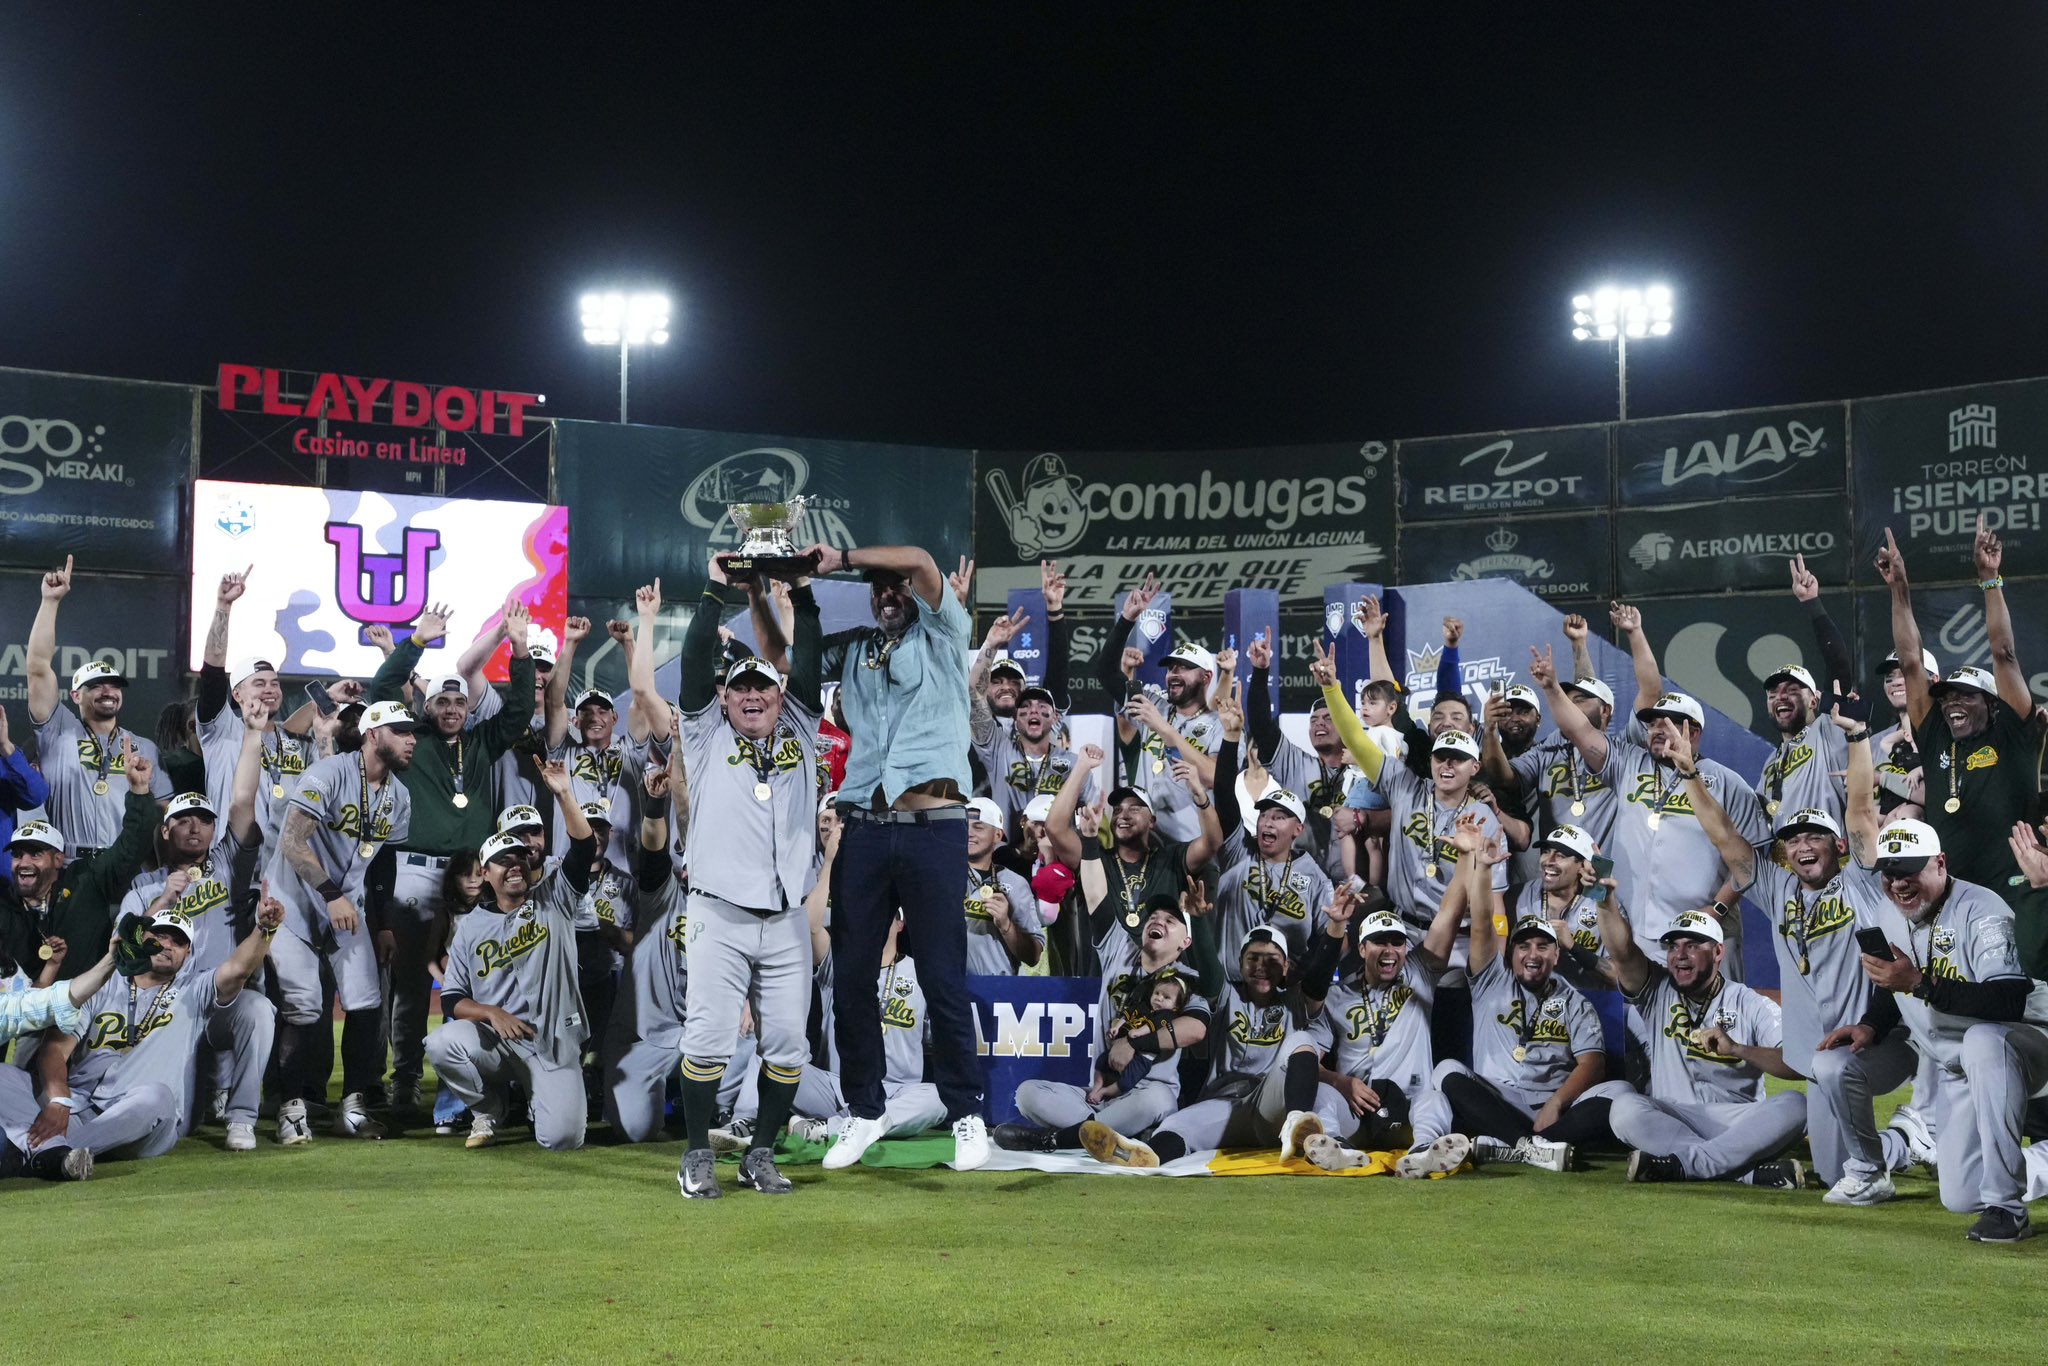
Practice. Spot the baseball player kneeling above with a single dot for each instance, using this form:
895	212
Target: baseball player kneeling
510	991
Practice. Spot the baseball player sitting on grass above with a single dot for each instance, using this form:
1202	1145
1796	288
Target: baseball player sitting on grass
516	1012
49	1006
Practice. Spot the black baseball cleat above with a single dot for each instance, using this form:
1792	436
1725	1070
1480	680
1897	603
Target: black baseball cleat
699	1176
758	1173
1022	1138
1786	1175
1644	1166
1997	1225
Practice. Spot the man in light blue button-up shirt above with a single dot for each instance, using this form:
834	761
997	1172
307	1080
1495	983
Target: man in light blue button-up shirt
903	690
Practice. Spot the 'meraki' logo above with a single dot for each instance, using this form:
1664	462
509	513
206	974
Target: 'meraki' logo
379	589
1973	424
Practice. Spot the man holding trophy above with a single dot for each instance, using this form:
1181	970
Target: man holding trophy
903	688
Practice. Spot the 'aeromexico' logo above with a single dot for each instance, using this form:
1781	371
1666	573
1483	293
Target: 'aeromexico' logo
381	589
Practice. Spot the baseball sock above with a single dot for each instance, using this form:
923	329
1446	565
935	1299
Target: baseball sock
776	1093
294	1061
700	1098
1298	1090
1167	1146
1069	1137
362	1050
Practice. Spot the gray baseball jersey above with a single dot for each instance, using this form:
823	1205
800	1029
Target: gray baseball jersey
136	1035
1567	792
1970	939
753	807
206	902
1153	773
285	758
986	953
903	1022
608	902
1251	1037
1551	1028
1663	861
1289	896
1820	968
1383	1032
1322	789
1806	770
658	974
1015	777
611	774
1421	857
1127	996
350	824
75	763
524	963
1683	1073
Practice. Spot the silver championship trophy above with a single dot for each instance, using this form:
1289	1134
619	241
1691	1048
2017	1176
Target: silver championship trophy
767	542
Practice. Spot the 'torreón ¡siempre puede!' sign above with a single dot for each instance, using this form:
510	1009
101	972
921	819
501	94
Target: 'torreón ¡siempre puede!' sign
377	402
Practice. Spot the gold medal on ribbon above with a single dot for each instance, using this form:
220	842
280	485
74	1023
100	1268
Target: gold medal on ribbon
461	799
1952	805
1130	920
1578	808
99	789
1805	965
1656	819
761	792
1771	808
1430	870
277	789
367	849
46	953
1520	1054
1326	811
1159	765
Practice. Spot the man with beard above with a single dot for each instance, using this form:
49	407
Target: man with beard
1802	771
903	689
1264	1088
1006	678
1537	1089
603	762
1711	1043
510	995
49	896
1280	886
453	789
644	1040
21	789
1663	858
1564	863
1953	975
1901	792
1131	970
115	1089
1552	777
197	879
1004	933
1149	741
1141	862
1018	753
1321	773
1981	761
81	753
343	811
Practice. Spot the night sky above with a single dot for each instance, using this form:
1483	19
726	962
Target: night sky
1035	225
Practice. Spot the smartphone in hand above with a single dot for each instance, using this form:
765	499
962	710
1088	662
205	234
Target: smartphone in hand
317	695
1603	867
1873	942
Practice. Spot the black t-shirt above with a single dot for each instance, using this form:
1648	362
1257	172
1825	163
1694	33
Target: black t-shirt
1995	773
1162	872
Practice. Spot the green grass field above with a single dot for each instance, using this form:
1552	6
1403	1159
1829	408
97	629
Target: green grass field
417	1249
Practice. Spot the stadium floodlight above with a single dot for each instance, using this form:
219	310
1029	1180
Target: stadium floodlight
616	318
1613	313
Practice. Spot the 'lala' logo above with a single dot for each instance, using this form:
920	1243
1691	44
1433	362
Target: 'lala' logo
387	590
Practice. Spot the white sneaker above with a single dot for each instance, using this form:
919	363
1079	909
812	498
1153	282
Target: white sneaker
810	1130
1548	1156
1295	1131
970	1143
1861	1190
483	1131
351	1120
292	1128
241	1137
856	1138
1446	1154
1323	1151
1909	1125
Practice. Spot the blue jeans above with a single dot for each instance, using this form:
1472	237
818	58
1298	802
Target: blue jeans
920	868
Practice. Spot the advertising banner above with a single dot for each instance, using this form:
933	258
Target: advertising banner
1550	470
1929	466
1288	519
1033	1028
92	468
329	564
1772	451
1554	557
1720	649
1952	624
1743	543
135	624
397	436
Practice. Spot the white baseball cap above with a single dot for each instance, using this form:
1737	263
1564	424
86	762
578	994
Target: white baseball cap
1039	808
1381	922
1809	818
1571	839
752	664
1005	665
172	920
246	669
446	683
520	818
1676	705
1456	741
1699	924
1117	795
1533	924
186	803
540	645
1907	839
1526	695
500	843
1592	687
1193	655
1927	664
1286	801
597	810
387	715
96	671
1966	677
39	833
589	695
986	811
1264	934
1797	673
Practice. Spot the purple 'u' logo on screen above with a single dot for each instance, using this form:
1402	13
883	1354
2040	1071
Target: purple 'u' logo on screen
397	583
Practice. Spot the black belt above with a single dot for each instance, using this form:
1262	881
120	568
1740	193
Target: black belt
922	816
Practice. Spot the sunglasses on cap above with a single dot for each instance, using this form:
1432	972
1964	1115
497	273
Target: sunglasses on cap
1902	867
